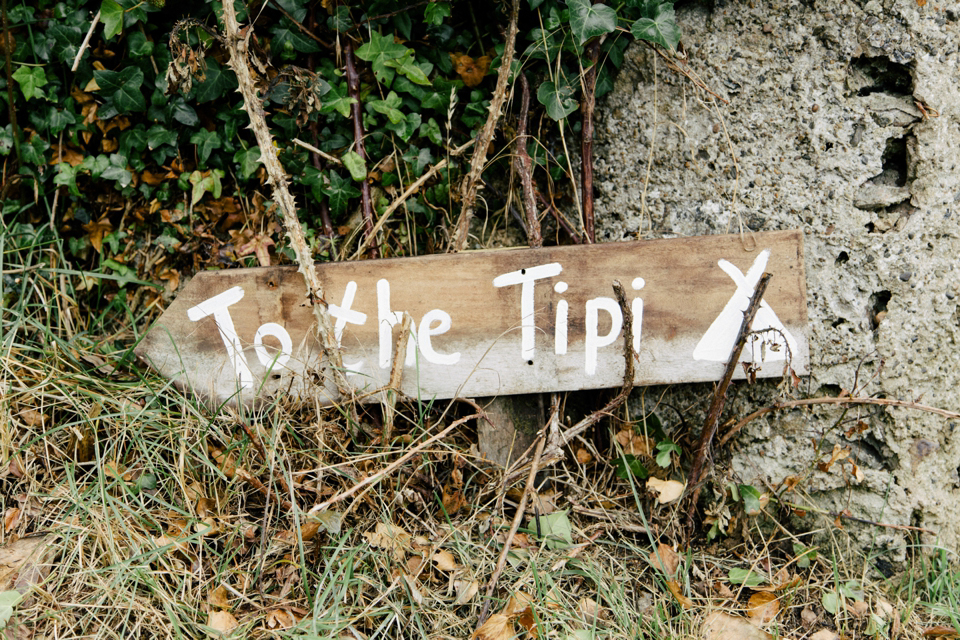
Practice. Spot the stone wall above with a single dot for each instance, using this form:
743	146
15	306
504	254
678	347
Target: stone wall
842	121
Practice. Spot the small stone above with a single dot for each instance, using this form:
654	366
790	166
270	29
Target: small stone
905	275
815	108
716	127
768	28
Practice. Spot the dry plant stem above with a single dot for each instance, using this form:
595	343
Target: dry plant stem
628	372
12	111
391	467
237	45
396	376
314	150
468	190
685	71
412	189
720	398
86	41
255	439
254	481
791	404
586	141
517	519
525	169
353	88
561	220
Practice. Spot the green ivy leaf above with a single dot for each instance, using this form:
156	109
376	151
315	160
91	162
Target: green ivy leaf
30	80
407	66
431	131
206	142
218	82
138	44
340	190
629	465
338	100
659	24
121	89
378	52
356	165
66	176
340	20
753	500
111	15
664	452
388	107
746	577
418	159
555	529
407	127
588	20
804	555
33	151
435	12
558	100
6	139
249	160
8	600
158	135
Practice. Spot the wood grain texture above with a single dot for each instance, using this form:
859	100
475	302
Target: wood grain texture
684	291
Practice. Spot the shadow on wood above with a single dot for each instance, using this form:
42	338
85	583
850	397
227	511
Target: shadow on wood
517	419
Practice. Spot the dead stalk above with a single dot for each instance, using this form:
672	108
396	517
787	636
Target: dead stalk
524	166
468	192
586	141
356	113
719	399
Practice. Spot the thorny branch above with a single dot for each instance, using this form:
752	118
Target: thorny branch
720	398
586	141
237	44
524	166
470	185
353	87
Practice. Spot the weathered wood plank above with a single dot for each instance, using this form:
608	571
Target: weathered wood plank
489	323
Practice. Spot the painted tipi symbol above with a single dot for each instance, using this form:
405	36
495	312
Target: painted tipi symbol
716	345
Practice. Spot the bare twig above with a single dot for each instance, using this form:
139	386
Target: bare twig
561	219
720	398
396	376
468	190
525	168
377	477
628	372
412	189
323	154
353	88
517	519
586	141
791	404
86	42
238	47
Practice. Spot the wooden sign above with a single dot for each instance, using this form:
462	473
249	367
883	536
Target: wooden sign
490	323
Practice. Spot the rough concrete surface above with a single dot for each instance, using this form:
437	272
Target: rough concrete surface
844	121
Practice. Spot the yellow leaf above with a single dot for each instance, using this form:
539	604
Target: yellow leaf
497	627
668	490
723	626
222	621
677	592
218	598
763	607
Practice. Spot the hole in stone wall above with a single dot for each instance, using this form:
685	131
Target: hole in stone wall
842	258
878	307
894	162
871	75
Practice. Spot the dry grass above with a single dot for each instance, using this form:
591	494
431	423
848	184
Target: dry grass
148	515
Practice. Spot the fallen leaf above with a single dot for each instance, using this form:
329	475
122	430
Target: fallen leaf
723	590
677	592
452	500
519	601
497	627
471	71
11	518
592	611
32	417
222	622
723	626
665	559
25	562
96	230
668	490
860	608
545	503
839	453
824	634
444	560
763	607
391	537
528	622
281	619
466	590
808	617
62	153
635	444
940	631
218	598
584	456
415	594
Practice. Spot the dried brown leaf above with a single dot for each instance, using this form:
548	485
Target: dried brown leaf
763	607
808	617
497	627
665	559
634	443
391	537
519	601
940	631
466	590
667	490
824	634
444	560
218	598
222	622
723	626
470	71
677	590
25	562
11	518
